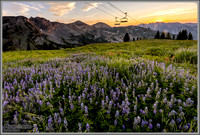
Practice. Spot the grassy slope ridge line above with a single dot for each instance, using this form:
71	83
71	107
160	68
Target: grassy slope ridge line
159	50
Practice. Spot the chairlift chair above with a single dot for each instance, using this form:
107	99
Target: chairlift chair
124	19
117	22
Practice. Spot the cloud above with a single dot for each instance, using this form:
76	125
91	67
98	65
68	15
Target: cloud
170	12
37	4
61	8
90	16
90	6
40	15
16	8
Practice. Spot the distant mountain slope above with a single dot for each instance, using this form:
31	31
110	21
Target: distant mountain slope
173	28
21	33
101	25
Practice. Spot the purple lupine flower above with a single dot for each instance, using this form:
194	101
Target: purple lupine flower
150	126
35	128
158	125
59	120
108	112
55	117
15	119
189	125
65	124
117	114
81	106
88	127
123	127
141	111
142	64
5	103
143	123
154	111
115	122
86	109
50	120
79	127
65	121
72	107
103	104
178	120
172	123
40	102
186	127
79	99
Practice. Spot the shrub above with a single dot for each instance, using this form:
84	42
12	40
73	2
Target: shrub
186	55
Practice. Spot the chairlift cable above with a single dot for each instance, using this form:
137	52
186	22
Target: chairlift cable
100	9
109	9
116	7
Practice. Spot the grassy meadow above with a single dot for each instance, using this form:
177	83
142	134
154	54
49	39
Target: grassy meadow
140	86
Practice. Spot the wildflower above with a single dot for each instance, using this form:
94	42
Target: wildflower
86	109
172	123
185	127
115	122
88	127
35	128
150	126
59	120
178	120
81	106
154	111
15	119
117	114
72	107
65	124
79	127
158	125
123	127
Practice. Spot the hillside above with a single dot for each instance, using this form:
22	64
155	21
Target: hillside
153	49
102	84
21	33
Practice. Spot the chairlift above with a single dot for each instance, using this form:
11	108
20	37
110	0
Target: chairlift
124	19
117	22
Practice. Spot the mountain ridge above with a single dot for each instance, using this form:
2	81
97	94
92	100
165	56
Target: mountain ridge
22	33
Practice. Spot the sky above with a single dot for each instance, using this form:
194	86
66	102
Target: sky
93	12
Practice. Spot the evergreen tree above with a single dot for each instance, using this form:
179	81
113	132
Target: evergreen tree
162	35
126	37
182	35
190	37
173	36
168	36
157	36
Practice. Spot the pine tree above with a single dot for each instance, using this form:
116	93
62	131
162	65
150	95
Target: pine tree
168	36
173	36
126	37
190	37
157	36
162	35
184	35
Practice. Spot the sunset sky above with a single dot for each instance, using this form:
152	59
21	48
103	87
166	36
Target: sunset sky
142	12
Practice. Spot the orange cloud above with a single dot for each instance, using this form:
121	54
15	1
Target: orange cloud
91	6
61	8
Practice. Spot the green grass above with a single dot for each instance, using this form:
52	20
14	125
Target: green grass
159	50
